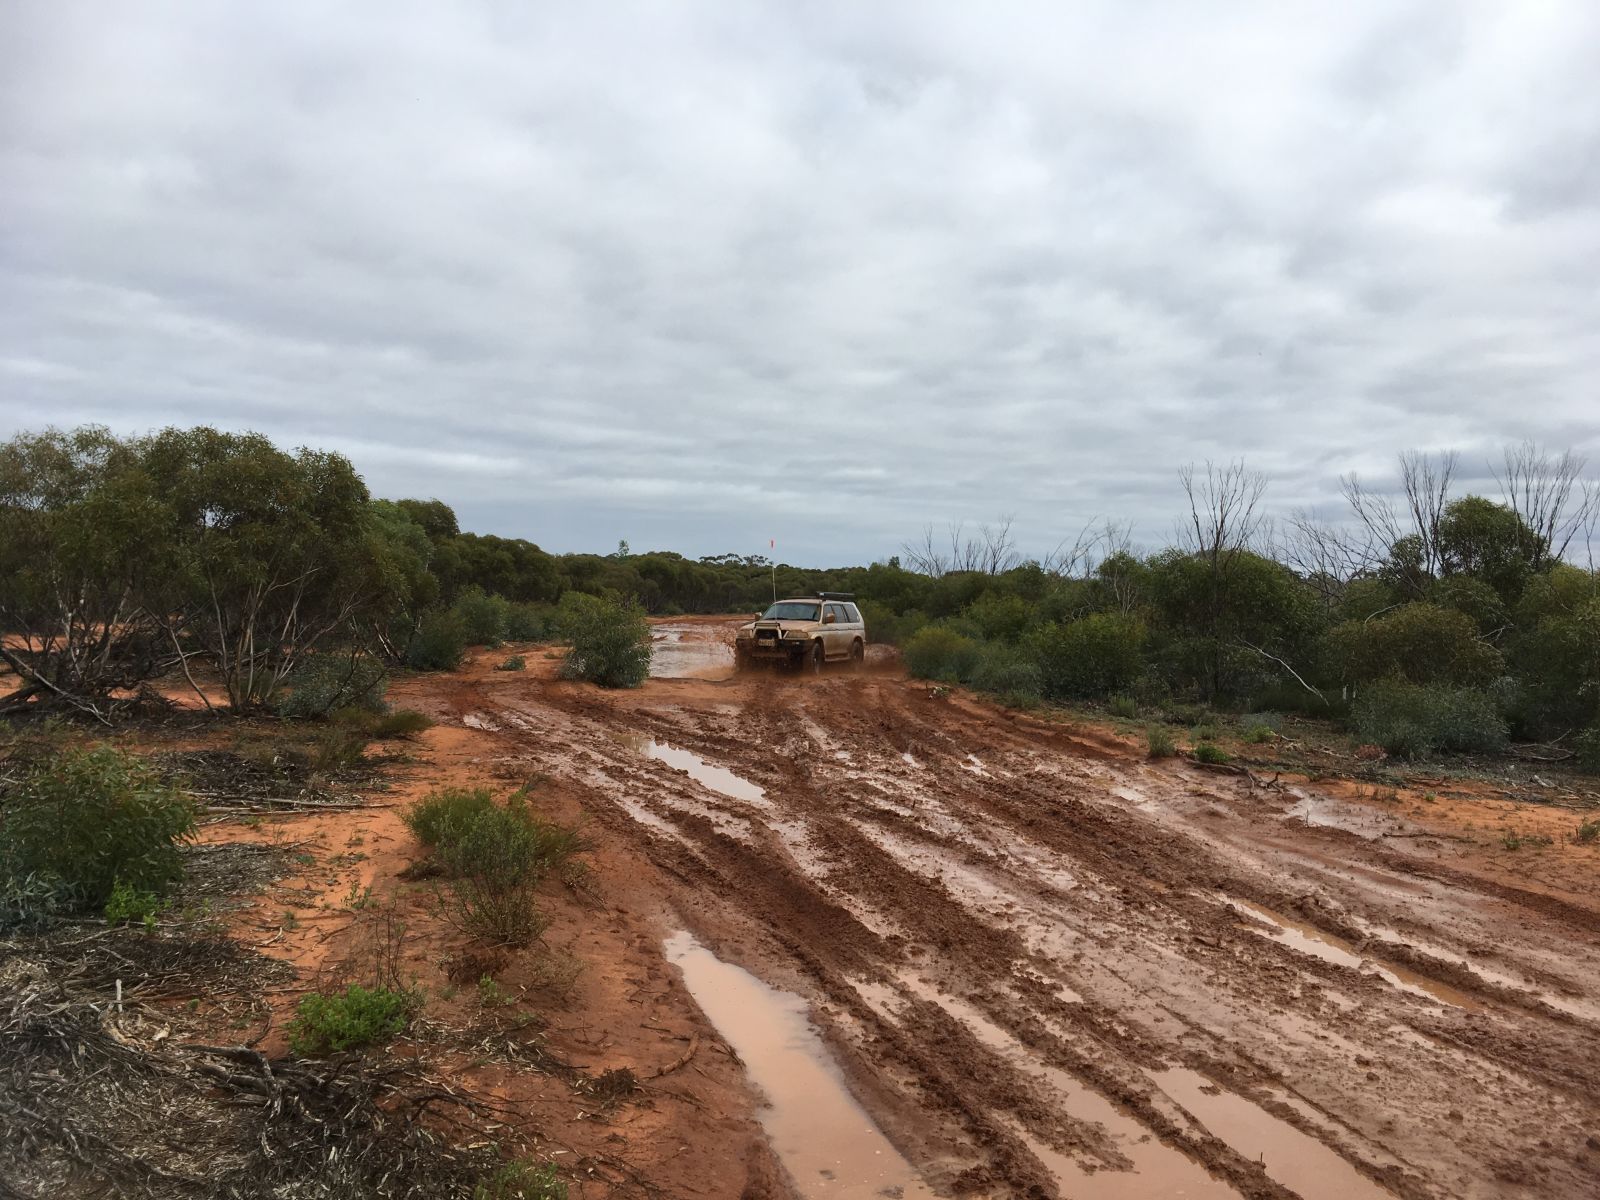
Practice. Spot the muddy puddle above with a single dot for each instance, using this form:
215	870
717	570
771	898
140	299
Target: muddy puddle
828	1144
690	651
718	779
1308	939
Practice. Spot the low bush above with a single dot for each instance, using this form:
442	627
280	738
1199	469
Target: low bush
522	1181
1414	720
349	1020
439	643
1207	752
495	857
1125	707
1008	673
1159	741
441	816
338	749
485	619
128	904
79	825
888	627
1587	832
530	623
1588	747
323	683
1259	734
940	653
400	723
1094	656
515	663
609	641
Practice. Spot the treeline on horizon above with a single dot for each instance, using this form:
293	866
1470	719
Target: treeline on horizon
1429	621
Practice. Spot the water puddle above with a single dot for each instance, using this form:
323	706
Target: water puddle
690	651
909	759
1295	1159
1158	1172
474	720
1308	939
974	764
825	1140
1327	813
718	779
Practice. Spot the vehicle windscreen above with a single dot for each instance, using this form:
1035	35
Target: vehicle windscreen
789	611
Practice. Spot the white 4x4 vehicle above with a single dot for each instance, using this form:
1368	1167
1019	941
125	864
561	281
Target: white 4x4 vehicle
806	631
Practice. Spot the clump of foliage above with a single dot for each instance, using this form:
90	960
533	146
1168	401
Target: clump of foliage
1125	707
82	824
485	619
495	857
1587	832
349	1020
515	663
398	723
522	1181
530	622
1159	742
439	643
1007	672
1413	721
609	641
940	653
128	904
321	683
1096	655
1209	752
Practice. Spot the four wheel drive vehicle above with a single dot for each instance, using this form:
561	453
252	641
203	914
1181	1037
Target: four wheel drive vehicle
805	632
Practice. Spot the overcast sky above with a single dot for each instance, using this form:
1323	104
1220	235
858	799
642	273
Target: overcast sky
700	274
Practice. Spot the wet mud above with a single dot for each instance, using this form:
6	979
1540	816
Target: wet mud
1042	966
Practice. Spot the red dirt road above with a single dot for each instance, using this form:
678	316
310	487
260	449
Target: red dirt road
1048	967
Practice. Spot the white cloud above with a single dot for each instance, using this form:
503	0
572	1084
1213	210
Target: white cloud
698	274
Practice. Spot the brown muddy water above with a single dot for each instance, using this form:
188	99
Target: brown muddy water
826	1141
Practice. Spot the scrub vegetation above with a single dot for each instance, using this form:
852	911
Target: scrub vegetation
1436	622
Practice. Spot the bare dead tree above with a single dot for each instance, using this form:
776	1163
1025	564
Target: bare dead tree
1549	493
925	555
1324	554
990	551
1225	516
1425	482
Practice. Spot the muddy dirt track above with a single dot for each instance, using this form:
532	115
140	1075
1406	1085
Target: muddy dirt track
1049	967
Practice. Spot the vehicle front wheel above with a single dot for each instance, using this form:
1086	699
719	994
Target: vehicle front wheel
815	659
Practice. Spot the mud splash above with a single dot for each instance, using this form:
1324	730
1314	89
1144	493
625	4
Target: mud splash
690	651
828	1144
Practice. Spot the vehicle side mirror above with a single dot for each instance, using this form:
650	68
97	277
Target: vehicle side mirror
827	618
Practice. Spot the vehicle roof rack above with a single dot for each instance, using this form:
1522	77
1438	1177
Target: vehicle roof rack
836	595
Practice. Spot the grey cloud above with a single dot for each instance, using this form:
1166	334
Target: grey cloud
698	275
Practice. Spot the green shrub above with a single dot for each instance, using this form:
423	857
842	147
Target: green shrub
338	749
1207	752
81	823
1420	643
439	643
1125	707
485	619
1094	656
939	652
322	683
530	623
887	627
495	858
515	663
1259	734
440	816
522	1181
128	903
1007	672
1414	721
401	723
1159	741
1588	747
1587	832
609	641
348	1020
1001	618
